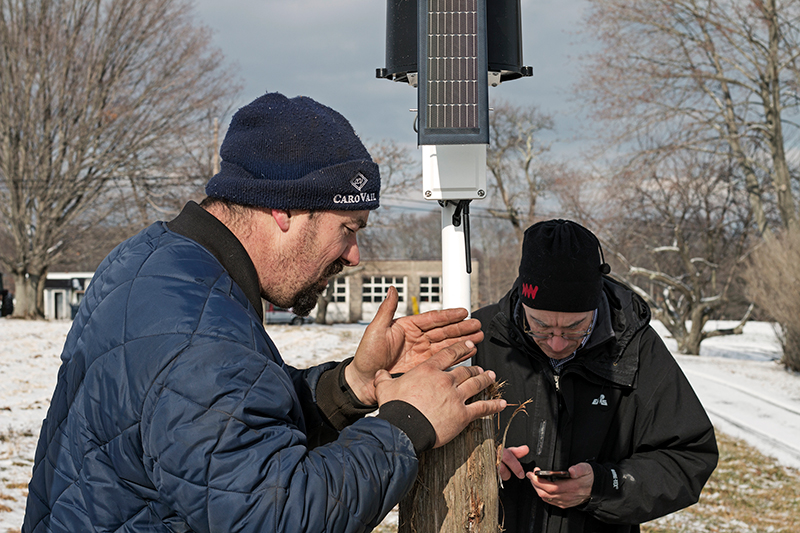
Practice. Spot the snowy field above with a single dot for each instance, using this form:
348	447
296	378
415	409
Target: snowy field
744	389
746	392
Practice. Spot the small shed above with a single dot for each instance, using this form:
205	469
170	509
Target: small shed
63	292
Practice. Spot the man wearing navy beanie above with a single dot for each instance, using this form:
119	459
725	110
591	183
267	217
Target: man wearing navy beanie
173	409
615	435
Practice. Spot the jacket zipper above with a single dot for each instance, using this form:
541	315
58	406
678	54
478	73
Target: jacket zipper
556	378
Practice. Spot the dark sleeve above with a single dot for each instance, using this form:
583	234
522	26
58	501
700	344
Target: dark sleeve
341	407
674	447
337	401
329	404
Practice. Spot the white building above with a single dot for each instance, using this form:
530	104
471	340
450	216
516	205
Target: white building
419	286
63	292
356	298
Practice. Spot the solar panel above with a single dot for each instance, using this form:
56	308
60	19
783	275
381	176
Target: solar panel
453	81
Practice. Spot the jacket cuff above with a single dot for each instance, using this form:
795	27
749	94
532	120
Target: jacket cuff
410	421
337	401
607	486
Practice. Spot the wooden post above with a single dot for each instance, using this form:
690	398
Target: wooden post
456	489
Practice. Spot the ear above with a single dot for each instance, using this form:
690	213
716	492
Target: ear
282	218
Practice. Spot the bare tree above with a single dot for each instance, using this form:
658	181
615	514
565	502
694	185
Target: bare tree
704	75
496	246
681	236
401	180
405	235
97	98
518	175
92	245
401	168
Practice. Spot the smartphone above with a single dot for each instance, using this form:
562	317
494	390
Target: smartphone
551	475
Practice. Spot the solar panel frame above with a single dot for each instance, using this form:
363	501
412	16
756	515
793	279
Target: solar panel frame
453	94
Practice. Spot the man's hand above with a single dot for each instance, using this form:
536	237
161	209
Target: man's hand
399	345
510	463
440	394
566	493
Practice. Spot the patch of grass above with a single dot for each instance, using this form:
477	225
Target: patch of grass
748	492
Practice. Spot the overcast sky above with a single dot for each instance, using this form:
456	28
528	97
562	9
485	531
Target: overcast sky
329	50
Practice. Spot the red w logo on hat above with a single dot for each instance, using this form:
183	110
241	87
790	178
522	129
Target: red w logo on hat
529	292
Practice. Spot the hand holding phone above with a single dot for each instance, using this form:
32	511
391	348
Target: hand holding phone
552	475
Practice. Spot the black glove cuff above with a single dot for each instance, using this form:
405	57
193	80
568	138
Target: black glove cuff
410	421
337	401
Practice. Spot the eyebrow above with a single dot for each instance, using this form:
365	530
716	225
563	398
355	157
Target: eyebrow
360	221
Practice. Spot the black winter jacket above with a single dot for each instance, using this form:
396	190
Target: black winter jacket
622	405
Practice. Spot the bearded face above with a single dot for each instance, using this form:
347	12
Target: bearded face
323	245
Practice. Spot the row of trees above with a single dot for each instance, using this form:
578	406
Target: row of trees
697	208
106	118
679	231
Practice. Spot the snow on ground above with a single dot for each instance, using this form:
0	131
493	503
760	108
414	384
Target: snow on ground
745	390
747	393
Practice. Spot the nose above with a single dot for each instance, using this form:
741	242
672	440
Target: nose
351	256
557	343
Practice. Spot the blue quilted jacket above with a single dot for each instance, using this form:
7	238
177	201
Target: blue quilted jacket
174	412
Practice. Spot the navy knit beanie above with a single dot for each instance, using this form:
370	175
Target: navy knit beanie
294	153
561	268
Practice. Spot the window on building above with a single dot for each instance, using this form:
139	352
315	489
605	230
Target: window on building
339	290
429	289
375	287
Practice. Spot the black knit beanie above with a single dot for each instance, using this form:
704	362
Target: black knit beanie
561	267
294	153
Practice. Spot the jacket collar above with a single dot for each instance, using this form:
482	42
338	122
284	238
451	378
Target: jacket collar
199	225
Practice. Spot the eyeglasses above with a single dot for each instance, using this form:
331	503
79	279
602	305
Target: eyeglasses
569	335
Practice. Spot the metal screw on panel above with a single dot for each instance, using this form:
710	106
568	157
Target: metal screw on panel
428	194
481	193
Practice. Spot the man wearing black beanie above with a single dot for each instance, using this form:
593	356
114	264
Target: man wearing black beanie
173	409
614	434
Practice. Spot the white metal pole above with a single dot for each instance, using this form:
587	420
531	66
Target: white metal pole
455	279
